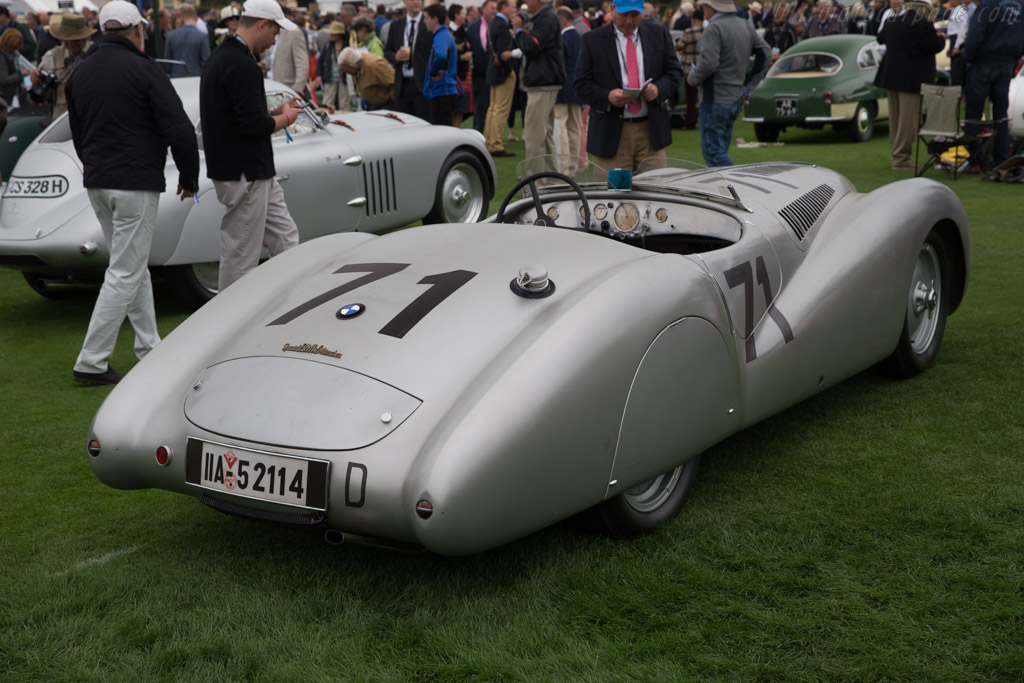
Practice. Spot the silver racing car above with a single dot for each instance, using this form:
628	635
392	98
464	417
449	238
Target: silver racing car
454	387
364	172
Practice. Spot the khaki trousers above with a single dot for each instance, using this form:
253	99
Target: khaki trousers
634	147
904	122
255	217
539	126
497	113
568	117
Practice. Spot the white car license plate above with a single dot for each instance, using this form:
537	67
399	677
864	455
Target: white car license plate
38	187
298	482
785	106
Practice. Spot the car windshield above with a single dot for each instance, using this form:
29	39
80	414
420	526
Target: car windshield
806	65
652	175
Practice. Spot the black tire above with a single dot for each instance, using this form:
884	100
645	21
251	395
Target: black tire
767	132
463	193
862	127
927	308
193	283
645	506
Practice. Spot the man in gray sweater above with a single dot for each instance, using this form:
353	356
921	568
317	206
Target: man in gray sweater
724	76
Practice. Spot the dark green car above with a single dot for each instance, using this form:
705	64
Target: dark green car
819	81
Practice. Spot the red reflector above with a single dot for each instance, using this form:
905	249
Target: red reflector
93	448
163	455
424	509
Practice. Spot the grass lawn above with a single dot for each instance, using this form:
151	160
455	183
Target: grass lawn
875	532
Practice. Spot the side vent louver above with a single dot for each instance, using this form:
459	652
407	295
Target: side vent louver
379	187
802	213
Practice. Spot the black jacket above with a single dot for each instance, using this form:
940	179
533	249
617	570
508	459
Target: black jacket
233	114
996	33
910	48
499	39
423	41
541	43
124	113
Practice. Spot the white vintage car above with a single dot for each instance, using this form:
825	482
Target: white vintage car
363	172
454	387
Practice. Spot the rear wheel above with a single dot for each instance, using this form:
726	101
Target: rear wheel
767	132
194	283
862	127
927	307
647	505
462	192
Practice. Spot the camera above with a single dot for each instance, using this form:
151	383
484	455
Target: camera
47	82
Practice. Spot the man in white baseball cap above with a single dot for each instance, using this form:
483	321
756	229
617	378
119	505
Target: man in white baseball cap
120	14
267	9
236	141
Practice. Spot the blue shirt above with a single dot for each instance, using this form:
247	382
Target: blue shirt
444	59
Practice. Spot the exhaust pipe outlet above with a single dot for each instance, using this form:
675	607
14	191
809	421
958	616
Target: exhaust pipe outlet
334	537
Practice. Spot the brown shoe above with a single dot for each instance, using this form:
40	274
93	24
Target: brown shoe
904	166
972	170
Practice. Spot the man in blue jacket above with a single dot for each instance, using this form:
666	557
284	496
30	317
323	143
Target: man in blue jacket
995	43
187	44
439	87
124	114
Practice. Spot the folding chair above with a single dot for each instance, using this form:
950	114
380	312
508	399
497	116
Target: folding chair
942	128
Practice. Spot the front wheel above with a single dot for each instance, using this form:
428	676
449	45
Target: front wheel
462	193
927	307
862	127
194	283
647	505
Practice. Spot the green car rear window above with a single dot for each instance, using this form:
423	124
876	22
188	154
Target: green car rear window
807	64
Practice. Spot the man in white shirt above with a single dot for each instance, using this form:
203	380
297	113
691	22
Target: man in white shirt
956	32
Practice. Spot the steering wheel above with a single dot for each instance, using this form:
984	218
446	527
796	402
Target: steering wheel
542	218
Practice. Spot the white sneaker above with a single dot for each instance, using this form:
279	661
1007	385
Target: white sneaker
512	136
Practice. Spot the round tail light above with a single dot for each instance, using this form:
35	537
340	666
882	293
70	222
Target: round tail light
424	509
163	455
94	448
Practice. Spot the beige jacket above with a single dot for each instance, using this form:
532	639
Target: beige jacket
375	79
291	60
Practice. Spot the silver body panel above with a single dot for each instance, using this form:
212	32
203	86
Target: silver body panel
378	173
510	413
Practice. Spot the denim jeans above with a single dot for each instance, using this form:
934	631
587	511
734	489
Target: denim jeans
990	80
716	122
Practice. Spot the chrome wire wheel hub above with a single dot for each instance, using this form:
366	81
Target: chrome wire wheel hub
925	289
652	494
863	119
462	194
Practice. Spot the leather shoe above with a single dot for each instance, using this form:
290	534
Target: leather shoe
503	153
973	170
111	376
906	166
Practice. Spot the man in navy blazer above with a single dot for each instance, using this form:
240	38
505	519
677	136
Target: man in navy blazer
187	44
568	103
476	31
623	130
409	60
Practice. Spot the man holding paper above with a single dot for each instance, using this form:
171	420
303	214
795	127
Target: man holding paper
626	72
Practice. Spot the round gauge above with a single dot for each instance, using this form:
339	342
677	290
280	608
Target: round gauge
600	212
661	215
626	217
553	213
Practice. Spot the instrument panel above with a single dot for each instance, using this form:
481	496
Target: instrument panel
626	217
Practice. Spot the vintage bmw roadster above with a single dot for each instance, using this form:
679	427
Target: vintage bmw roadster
454	387
363	172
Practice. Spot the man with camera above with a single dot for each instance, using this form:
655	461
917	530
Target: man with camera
57	65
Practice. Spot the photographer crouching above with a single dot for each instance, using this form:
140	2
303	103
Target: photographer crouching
58	64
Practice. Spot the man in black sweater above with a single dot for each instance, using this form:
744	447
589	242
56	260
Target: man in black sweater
124	113
236	139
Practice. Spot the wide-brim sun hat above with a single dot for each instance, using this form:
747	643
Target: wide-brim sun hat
723	6
265	9
69	27
229	12
623	6
336	28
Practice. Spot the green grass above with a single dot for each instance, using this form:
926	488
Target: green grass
873	533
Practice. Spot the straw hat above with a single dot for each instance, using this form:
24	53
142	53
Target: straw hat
69	27
336	28
229	12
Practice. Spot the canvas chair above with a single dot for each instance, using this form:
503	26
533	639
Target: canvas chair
942	128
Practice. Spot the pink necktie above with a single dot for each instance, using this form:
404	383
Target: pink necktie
483	35
632	72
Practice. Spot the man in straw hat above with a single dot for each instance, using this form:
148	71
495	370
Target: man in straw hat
329	73
236	141
627	54
724	76
73	32
124	114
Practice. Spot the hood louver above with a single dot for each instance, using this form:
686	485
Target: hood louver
802	214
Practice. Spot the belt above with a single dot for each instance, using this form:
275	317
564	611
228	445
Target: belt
636	119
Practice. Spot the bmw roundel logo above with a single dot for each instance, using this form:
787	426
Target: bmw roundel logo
350	311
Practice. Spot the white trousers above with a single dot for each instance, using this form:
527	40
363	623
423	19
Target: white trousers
256	217
568	117
127	218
